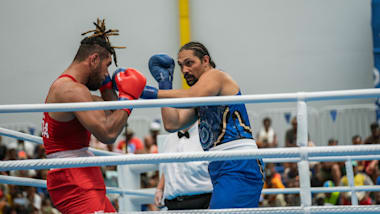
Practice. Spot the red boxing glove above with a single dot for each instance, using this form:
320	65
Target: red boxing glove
130	84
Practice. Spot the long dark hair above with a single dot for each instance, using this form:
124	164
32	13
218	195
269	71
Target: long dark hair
199	51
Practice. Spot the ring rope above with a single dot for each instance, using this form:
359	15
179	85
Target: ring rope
20	135
190	102
145	192
369	209
189	156
38	140
42	183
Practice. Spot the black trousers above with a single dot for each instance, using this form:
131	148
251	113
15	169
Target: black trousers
190	202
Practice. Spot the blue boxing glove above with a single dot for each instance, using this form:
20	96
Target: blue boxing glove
107	84
149	93
118	70
161	66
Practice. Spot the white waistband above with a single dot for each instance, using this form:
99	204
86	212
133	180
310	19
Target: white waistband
83	152
240	144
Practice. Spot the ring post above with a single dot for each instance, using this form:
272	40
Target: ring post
350	178
127	180
302	139
129	177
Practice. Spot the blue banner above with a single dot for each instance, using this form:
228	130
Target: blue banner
287	116
333	114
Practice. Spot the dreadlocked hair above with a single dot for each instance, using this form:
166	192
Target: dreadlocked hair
98	42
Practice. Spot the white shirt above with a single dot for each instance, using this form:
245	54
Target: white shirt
264	135
190	178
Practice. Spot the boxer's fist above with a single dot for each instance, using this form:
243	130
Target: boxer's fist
118	70
149	93
161	66
130	83
107	84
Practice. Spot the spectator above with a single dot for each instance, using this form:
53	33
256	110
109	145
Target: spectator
11	154
372	169
22	147
310	143
96	144
377	194
42	174
332	198
34	200
374	138
332	142
130	144
317	179
332	170
319	199
329	171
273	180
291	134
293	182
357	140
184	185
290	174
3	149
267	137
150	141
47	207
360	179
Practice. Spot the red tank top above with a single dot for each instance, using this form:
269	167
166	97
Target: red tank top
62	136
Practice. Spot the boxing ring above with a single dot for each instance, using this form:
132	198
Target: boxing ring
130	166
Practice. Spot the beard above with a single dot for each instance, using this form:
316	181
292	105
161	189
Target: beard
95	81
93	84
190	79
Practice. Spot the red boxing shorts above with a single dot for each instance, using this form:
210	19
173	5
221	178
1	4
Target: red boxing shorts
78	190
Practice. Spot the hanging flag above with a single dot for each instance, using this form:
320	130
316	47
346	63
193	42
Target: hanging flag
375	23
333	114
31	130
287	117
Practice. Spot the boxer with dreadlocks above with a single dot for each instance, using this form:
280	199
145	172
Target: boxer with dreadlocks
67	134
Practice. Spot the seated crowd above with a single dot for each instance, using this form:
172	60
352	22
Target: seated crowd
323	174
24	199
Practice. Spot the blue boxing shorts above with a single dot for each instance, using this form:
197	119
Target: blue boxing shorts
237	183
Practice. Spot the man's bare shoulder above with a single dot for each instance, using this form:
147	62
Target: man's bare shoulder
216	74
228	85
65	90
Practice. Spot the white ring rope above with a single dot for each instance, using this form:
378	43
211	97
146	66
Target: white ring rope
145	192
190	102
42	183
190	156
38	140
20	135
283	210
